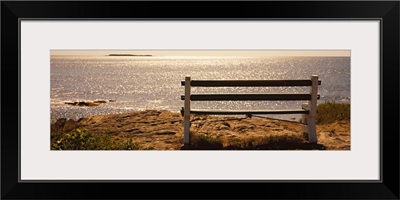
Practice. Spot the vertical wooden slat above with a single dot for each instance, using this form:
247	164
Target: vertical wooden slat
186	118
312	135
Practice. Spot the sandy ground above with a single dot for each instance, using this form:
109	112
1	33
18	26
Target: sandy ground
163	130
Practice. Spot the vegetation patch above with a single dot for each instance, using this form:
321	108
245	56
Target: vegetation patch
330	112
84	140
274	142
205	142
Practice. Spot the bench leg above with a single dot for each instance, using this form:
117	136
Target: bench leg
309	128
304	125
186	128
312	132
186	117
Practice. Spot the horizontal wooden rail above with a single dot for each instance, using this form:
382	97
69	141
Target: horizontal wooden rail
248	97
245	112
250	83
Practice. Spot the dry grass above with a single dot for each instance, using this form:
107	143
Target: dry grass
331	112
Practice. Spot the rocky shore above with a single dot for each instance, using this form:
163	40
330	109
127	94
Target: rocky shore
163	130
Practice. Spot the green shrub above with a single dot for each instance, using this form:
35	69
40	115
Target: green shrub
83	140
330	112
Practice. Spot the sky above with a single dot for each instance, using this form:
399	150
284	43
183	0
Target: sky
256	53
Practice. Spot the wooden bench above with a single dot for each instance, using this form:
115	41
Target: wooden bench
308	110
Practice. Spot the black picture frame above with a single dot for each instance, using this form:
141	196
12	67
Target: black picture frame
386	11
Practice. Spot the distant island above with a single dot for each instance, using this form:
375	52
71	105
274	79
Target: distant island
126	55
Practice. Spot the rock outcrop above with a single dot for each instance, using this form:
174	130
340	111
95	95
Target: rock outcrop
88	103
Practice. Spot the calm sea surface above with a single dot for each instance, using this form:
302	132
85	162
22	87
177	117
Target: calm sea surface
142	83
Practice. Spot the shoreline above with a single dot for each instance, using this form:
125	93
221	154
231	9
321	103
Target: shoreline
59	112
163	130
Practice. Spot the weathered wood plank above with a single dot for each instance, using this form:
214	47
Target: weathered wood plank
312	134
244	112
186	118
250	83
249	97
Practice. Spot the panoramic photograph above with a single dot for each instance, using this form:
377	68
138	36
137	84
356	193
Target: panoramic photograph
200	100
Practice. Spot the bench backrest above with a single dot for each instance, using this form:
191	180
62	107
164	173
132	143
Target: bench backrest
249	83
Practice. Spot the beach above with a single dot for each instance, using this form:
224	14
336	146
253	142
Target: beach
163	130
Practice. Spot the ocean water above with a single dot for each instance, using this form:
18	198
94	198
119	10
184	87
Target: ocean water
143	83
